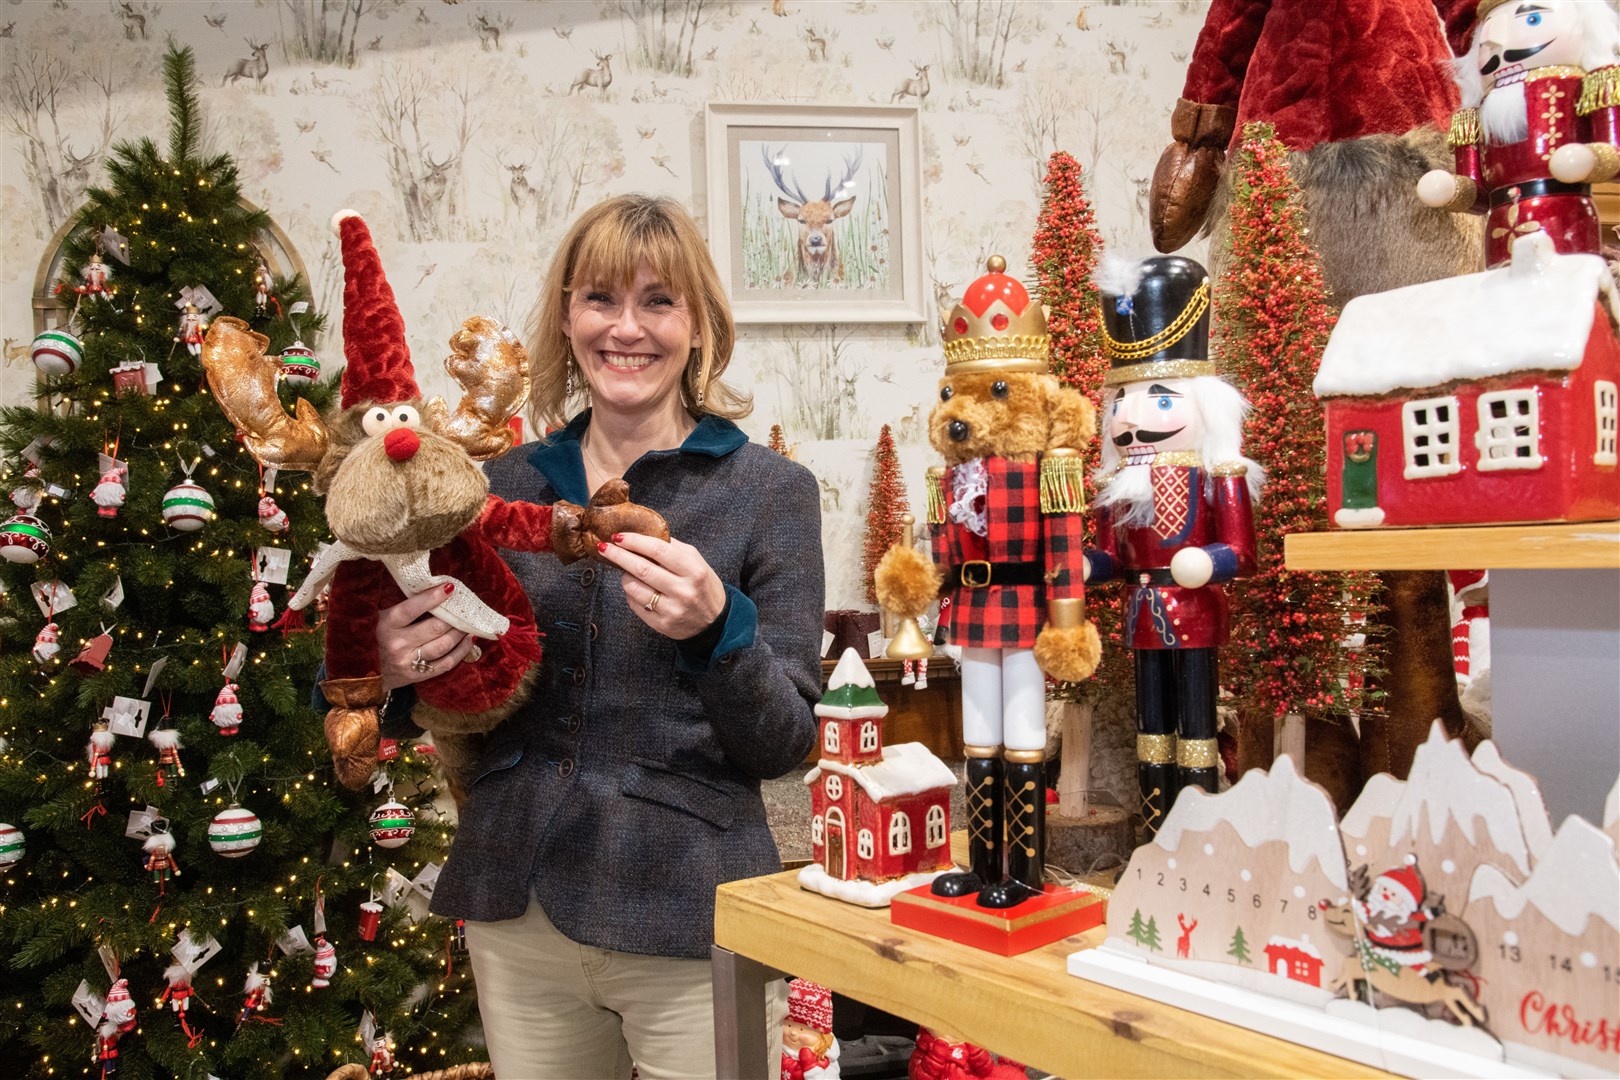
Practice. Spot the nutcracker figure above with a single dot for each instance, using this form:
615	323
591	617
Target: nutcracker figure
1540	123
382	1056
1005	521
160	859
257	991
167	743
106	1051
261	288
193	328
179	994
260	610
95	276
98	752
1174	517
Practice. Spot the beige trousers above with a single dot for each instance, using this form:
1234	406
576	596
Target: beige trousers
557	1010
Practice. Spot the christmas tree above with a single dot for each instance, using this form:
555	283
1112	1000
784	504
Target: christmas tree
1239	949
778	440
1287	651
885	505
1150	937
206	811
1138	929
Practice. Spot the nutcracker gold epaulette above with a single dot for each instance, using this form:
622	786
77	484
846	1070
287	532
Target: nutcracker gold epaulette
1465	129
1599	90
1063	481
1230	468
934	483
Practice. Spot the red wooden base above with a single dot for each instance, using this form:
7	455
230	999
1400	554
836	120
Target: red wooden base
1038	921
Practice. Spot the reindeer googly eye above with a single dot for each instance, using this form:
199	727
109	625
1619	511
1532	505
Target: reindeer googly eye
406	416
377	421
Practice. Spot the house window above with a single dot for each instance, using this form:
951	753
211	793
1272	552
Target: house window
1429	432
1608	423
869	737
815	829
935	826
835	787
899	833
829	738
863	844
1509	436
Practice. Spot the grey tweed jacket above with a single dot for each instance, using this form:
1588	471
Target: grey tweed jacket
627	788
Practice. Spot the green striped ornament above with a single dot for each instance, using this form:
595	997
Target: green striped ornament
392	824
299	367
11	844
57	352
24	539
234	832
187	507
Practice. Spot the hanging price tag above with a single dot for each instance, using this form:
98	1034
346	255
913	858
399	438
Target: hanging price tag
88	1004
114	596
127	716
233	667
294	941
191	954
142	822
52	596
271	564
151	676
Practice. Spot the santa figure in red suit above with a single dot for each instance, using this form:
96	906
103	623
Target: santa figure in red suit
1174	514
1540	123
1393	915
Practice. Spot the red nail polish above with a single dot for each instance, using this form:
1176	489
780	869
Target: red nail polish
618	538
449	587
601	545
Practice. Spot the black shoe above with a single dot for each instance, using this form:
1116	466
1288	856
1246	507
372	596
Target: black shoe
1006	894
957	884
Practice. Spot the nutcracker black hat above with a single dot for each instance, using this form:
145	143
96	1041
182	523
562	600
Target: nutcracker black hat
1155	318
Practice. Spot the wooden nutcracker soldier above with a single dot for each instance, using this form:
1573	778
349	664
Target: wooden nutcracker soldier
382	1056
99	754
106	1051
95	276
1005	519
1174	517
167	743
193	328
178	994
256	991
261	288
160	861
1540	123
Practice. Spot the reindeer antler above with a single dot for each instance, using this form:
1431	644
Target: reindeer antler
243	380
790	190
852	165
492	368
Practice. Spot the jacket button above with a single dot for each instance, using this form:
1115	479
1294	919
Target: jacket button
593	631
587	577
573	723
579	676
565	768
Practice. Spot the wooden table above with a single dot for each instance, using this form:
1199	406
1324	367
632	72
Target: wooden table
1027	1007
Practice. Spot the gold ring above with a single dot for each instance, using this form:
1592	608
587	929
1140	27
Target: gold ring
652	601
420	665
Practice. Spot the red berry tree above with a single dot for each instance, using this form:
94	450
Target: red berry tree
778	441
885	503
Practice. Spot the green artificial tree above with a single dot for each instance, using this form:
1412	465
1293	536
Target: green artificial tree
886	504
78	895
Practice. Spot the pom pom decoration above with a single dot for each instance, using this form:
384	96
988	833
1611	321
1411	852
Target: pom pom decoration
187	507
13	845
109	493
271	516
57	352
24	539
392	824
234	832
46	645
325	963
227	711
299	367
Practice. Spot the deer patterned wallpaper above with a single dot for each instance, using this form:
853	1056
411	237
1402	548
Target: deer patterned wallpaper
470	133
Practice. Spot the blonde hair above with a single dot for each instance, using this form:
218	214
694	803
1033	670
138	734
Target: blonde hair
607	246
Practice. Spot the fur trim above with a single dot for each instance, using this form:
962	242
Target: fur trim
164	738
177	973
340	217
439	721
159	841
1470	85
1117	275
102	740
906	581
1069	653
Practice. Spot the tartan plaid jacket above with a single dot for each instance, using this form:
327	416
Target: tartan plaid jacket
1016	531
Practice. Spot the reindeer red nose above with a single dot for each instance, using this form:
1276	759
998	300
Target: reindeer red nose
401	444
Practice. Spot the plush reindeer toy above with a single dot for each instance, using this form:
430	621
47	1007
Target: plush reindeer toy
410	509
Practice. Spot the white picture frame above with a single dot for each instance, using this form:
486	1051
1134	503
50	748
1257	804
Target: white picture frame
859	165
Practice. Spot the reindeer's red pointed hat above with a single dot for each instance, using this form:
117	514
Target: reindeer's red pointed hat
379	362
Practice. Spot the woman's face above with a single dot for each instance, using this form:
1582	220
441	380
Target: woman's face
632	343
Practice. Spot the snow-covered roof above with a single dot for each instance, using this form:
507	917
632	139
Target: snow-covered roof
851	693
1534	314
905	770
1303	944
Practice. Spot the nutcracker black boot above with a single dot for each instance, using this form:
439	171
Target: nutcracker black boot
984	825
1025	810
1197	759
1156	711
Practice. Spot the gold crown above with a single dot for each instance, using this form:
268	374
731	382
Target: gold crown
1486	7
996	326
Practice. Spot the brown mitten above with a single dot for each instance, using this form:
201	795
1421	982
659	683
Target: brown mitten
569	541
1184	181
351	727
611	512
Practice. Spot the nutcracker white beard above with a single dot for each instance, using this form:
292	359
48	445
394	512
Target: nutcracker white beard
1502	115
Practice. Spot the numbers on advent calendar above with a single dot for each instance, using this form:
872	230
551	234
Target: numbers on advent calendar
1560	963
1510	952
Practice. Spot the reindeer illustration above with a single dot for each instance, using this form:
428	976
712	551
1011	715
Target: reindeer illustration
1184	942
487	32
77	175
1119	61
915	87
819	261
524	197
134	21
816	43
255	67
16	350
433	187
600	76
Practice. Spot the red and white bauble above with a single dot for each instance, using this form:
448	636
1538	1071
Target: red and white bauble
392	824
57	352
187	506
24	539
12	847
299	366
227	711
234	832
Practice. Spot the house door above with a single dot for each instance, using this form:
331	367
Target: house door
835	842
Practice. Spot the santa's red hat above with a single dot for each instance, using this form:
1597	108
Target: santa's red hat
379	362
810	1004
1407	880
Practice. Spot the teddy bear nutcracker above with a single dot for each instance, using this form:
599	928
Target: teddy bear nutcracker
1540	123
1005	521
1174	517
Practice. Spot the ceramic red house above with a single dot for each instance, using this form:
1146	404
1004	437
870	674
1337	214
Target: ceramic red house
1297	960
1479	399
881	816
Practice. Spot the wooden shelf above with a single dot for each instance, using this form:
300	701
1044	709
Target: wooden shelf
1027	1007
1583	545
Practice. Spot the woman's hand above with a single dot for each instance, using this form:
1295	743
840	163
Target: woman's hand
668	584
405	636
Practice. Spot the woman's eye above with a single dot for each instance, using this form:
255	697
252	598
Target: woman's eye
595	297
661	301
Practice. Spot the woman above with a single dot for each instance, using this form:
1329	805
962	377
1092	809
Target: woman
676	676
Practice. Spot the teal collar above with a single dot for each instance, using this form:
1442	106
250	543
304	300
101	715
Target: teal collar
558	457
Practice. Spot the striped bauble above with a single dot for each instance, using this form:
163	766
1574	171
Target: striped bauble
299	367
57	352
11	844
234	832
187	507
392	824
24	539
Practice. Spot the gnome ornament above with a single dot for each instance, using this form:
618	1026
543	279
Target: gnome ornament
99	753
809	1050
271	516
109	493
167	743
385	452
26	497
119	1009
160	862
227	711
325	963
46	645
261	612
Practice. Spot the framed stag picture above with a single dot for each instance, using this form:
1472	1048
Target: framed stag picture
815	214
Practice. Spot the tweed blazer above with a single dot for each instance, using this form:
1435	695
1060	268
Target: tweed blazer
627	787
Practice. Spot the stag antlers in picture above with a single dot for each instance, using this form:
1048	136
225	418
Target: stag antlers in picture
819	260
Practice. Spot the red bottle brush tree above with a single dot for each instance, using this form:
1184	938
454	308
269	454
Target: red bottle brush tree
885	503
778	441
1288	651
